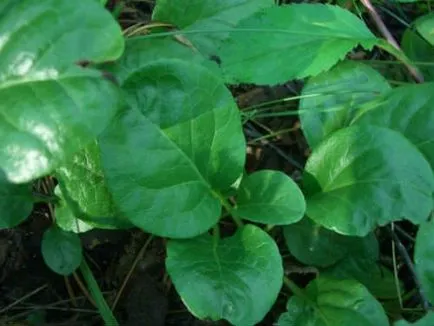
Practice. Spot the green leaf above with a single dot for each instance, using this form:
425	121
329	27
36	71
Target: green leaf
408	110
165	166
366	182
331	99
236	278
209	21
141	52
85	191
418	49
50	106
270	197
334	302
424	258
427	320
61	250
65	217
289	42
314	245
16	202
425	26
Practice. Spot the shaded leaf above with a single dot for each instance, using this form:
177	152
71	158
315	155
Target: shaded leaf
427	320
314	245
165	165
44	115
424	258
61	250
236	278
331	99
290	42
425	26
270	197
212	19
16	202
334	302
418	49
366	182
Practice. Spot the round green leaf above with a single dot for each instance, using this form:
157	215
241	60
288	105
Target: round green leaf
61	250
50	106
65	217
334	302
85	191
367	176
408	110
270	197
424	258
289	42
236	278
212	19
331	99
314	245
16	202
165	164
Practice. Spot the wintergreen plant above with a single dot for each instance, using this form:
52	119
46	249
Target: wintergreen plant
142	131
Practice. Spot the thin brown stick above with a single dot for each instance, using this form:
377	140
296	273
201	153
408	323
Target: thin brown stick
418	77
70	291
25	297
130	272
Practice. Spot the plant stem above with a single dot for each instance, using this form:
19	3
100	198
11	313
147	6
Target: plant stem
390	39
296	289
225	203
103	308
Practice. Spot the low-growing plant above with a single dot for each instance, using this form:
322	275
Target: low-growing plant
139	129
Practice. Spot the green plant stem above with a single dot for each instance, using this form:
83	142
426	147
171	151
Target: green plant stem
225	203
297	290
103	308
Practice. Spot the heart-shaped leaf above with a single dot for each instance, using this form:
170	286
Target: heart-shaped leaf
61	250
408	110
270	197
334	302
165	165
424	258
364	181
16	202
331	99
288	42
50	106
236	278
211	20
85	192
314	245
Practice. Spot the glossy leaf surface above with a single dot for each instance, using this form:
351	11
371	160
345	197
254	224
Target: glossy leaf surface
85	191
290	42
334	302
44	117
166	163
61	250
209	20
270	197
236	278
358	179
332	98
